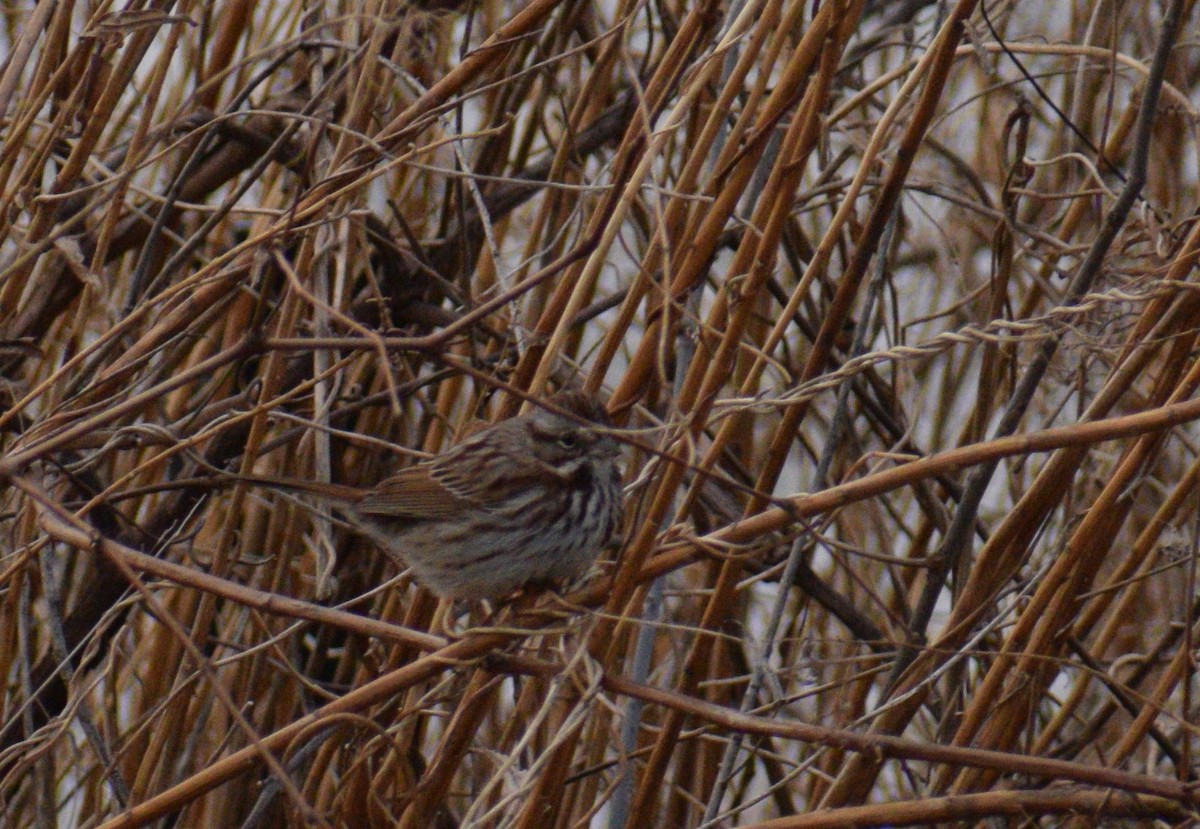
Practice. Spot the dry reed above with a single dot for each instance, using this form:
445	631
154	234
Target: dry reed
895	299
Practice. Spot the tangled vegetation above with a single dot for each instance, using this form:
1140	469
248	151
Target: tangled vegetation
893	304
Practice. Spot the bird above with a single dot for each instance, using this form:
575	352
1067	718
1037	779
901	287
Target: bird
529	500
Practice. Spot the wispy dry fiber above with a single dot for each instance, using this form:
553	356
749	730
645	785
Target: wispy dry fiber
896	307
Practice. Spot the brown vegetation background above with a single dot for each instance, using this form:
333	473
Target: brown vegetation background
897	301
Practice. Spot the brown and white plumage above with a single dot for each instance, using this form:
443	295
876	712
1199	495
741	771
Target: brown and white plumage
530	499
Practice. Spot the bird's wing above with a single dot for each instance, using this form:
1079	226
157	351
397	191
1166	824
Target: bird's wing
415	493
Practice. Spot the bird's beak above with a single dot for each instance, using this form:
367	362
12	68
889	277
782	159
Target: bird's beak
612	448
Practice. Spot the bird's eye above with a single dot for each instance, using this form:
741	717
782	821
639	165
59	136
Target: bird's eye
568	441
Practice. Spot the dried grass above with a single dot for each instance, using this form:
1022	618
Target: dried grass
896	299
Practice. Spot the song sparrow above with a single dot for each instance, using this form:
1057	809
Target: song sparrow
531	499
